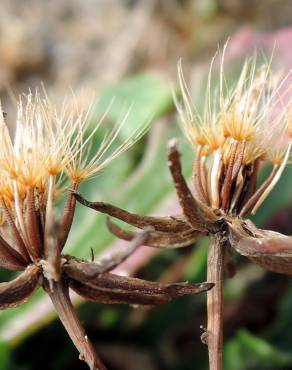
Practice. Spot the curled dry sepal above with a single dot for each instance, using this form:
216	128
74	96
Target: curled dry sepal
48	146
237	131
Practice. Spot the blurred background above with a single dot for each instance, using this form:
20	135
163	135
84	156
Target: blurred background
129	50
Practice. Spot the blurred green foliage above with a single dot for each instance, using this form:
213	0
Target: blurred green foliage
247	351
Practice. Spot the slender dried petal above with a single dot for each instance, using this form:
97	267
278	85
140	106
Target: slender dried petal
158	239
273	183
33	231
198	176
256	196
68	216
19	243
110	288
197	215
270	249
158	223
228	177
9	258
17	291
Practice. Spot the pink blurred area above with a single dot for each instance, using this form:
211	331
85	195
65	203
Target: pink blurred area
247	39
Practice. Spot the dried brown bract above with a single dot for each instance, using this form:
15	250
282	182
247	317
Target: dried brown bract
47	145
235	134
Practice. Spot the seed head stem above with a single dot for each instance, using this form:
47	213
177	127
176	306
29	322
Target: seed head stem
67	314
215	302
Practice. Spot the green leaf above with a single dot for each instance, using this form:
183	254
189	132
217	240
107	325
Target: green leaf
4	355
279	330
279	198
197	265
144	97
249	352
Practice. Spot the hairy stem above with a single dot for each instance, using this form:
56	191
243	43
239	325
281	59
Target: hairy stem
215	303
67	314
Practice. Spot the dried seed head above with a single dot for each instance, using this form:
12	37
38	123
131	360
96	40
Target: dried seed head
200	130
49	142
240	125
83	164
50	146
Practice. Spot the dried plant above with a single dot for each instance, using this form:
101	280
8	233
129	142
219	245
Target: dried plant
50	145
240	128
